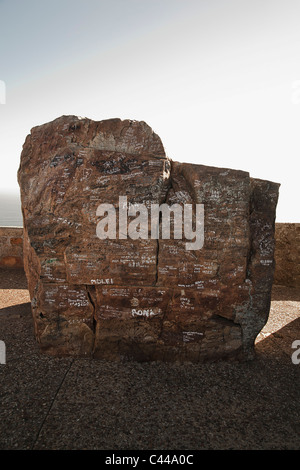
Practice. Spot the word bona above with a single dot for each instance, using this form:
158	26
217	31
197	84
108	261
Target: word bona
159	217
143	312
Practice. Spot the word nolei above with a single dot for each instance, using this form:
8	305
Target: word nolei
159	215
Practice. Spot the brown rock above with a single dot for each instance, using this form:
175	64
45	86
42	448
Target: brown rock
144	298
287	254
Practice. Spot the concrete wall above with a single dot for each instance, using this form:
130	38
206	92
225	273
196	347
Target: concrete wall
287	252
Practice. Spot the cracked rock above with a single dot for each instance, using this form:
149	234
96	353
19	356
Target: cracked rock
145	297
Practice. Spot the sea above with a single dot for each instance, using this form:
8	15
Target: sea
10	209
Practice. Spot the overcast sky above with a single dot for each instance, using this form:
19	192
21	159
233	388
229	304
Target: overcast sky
217	80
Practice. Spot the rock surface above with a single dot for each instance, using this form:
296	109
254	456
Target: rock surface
287	254
141	299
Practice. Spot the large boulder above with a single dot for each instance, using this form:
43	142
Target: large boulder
130	291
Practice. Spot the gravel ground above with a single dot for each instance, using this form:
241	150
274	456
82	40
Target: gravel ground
64	403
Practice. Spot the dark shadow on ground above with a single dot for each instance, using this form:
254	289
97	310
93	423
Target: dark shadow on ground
280	342
13	278
20	309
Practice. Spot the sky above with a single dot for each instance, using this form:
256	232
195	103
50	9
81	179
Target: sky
217	80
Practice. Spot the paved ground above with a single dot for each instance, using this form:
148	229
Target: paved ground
50	403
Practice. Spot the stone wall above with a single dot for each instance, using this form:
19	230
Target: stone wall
287	254
11	247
